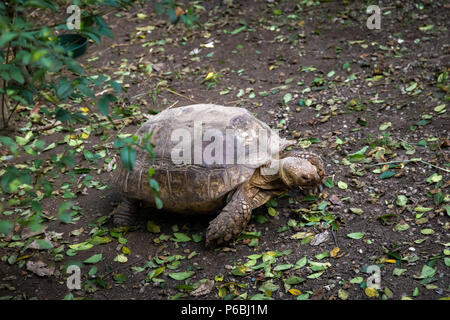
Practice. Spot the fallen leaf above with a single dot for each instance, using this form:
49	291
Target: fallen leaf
295	292
94	259
204	288
356	235
370	292
181	275
334	252
40	268
343	294
320	238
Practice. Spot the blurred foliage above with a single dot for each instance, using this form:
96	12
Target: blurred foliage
37	71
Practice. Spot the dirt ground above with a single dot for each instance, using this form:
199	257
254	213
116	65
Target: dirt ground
355	96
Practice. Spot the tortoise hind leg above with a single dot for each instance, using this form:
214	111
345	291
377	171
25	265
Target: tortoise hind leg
125	213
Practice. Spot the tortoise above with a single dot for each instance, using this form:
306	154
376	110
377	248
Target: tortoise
206	161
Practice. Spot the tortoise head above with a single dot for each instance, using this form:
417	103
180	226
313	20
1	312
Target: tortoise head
301	170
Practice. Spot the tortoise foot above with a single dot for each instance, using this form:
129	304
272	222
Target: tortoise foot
125	213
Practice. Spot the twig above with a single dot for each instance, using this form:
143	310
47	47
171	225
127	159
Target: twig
236	101
114	122
173	104
410	160
334	237
179	94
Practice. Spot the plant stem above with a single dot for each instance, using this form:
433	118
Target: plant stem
4	101
410	160
11	112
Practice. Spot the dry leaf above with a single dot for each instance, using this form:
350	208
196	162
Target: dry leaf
334	252
40	268
203	289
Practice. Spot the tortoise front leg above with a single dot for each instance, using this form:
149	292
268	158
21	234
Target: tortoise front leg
125	213
237	213
231	221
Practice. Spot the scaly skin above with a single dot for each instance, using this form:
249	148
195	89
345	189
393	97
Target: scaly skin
237	213
231	221
125	213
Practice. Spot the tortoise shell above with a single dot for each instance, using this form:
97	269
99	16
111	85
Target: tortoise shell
203	153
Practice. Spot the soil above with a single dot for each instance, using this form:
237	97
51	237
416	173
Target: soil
281	51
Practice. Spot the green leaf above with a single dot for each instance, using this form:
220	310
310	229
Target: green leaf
128	157
238	271
16	74
287	98
398	271
427	272
121	258
154	273
100	240
180	237
181	275
81	246
357	211
94	259
154	185
292	280
6	227
158	202
438	198
63	115
272	211
447	261
119	278
329	183
343	294
357	280
357	156
103	106
63	213
401	200
103	103
315	275
283	267
342	185
426	28
401	226
41	4
64	89
240	29
322	255
6	37
356	235
44	244
319	266
301	263
304	296
387	174
152	227
427	231
7	141
86	91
